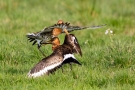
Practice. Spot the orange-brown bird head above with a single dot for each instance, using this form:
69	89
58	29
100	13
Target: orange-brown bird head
60	22
56	31
55	43
71	40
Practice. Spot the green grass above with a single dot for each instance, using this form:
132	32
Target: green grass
108	61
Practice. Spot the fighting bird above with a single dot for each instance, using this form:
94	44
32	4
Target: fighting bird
62	54
45	36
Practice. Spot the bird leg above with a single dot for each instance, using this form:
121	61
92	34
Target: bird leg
70	66
61	69
44	44
41	51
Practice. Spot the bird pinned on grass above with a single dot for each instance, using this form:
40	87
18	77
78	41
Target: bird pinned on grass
47	34
62	54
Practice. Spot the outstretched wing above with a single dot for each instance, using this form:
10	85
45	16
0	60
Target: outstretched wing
51	28
72	28
72	40
68	58
45	65
50	64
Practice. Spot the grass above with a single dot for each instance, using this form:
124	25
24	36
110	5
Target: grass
108	61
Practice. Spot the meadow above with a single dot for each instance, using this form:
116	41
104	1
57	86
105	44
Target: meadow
108	61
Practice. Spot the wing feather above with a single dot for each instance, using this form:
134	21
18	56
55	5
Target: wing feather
45	65
72	28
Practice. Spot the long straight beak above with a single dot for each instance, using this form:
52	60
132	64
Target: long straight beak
65	30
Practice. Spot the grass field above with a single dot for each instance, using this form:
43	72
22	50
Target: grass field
108	61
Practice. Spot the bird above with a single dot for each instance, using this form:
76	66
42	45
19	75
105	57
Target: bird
45	36
61	55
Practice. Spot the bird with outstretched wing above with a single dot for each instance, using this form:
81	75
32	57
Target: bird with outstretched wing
45	36
62	54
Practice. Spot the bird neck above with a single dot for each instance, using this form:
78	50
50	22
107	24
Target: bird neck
54	46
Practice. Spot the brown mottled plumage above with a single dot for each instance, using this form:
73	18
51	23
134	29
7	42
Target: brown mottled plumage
45	36
62	54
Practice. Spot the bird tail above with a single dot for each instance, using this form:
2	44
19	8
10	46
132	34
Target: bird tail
70	58
32	37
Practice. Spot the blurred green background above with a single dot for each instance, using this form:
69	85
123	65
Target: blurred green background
108	61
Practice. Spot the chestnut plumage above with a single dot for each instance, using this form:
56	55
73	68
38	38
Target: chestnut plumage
45	36
61	55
